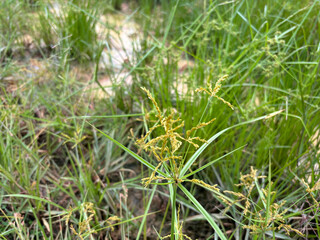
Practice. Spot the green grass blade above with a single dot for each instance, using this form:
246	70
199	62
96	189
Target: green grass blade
136	156
210	163
107	116
204	212
174	219
146	212
35	198
205	145
170	23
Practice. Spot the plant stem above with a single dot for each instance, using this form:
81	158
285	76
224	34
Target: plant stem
173	208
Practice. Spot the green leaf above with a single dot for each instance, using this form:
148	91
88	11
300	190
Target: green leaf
210	163
204	212
205	145
146	212
35	198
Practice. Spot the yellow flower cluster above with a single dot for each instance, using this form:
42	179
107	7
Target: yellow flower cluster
165	146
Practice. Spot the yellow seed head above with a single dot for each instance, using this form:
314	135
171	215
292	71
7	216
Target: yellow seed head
203	184
165	146
213	92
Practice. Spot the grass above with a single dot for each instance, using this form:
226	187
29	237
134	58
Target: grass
70	167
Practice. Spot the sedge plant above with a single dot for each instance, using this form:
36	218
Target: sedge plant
172	168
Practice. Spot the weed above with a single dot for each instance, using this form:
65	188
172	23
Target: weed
53	154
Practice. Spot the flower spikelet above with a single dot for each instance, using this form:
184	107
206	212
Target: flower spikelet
213	91
201	125
148	180
226	201
248	182
112	219
288	228
206	185
316	187
153	101
239	195
68	215
248	179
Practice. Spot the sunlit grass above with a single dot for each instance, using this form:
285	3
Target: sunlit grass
55	148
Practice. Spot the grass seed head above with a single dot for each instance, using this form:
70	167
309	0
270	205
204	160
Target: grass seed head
165	146
213	91
309	190
203	184
85	209
88	213
110	221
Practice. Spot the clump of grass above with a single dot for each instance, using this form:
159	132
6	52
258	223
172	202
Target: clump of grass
165	149
264	216
79	34
69	27
11	28
171	166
